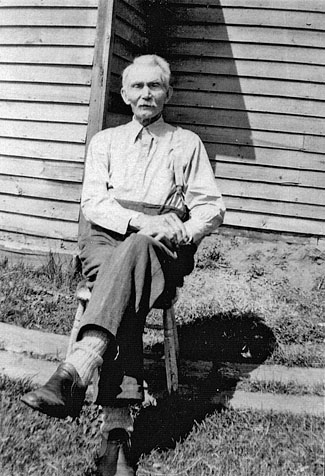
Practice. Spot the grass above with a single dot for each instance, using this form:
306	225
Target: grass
235	284
186	437
244	302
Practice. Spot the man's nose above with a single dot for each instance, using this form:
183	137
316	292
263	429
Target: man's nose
146	93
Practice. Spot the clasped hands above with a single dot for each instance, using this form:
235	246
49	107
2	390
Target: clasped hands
167	228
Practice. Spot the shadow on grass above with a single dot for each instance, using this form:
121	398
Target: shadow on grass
221	340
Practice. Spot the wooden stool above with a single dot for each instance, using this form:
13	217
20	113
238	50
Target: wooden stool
171	345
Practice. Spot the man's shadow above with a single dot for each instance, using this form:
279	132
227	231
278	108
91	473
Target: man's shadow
209	352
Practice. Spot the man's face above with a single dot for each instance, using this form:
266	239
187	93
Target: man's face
145	92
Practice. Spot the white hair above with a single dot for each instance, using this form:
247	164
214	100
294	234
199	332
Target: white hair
149	60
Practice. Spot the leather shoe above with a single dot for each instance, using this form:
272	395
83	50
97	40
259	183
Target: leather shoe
63	395
115	455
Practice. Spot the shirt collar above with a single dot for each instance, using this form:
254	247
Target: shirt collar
154	129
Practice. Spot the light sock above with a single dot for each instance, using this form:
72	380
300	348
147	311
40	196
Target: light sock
87	354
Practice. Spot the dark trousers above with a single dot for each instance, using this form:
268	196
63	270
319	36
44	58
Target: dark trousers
130	275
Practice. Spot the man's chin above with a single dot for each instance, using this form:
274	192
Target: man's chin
147	117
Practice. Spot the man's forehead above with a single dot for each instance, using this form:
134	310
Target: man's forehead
143	73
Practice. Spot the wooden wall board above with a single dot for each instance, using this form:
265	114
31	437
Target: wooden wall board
61	55
41	35
49	3
238	68
296	5
40	73
274	223
249	102
15	243
241	15
38	226
42	149
38	207
123	30
44	93
40	188
257	138
253	120
299	178
40	168
273	207
52	17
251	86
257	52
127	12
274	192
72	133
249	34
38	111
292	159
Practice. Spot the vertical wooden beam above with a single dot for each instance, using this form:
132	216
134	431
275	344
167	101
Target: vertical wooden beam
100	76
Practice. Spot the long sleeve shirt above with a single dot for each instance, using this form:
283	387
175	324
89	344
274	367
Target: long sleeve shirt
132	162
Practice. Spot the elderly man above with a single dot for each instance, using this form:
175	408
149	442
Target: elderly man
150	196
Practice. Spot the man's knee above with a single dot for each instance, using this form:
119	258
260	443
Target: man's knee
138	242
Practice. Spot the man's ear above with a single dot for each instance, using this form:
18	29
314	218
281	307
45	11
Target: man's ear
125	96
169	94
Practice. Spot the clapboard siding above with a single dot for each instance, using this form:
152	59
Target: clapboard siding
130	39
249	80
46	56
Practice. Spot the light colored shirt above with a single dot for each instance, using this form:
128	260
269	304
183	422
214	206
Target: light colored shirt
141	164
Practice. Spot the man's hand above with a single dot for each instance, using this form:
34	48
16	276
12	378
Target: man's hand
162	227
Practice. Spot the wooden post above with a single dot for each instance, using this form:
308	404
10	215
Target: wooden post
100	76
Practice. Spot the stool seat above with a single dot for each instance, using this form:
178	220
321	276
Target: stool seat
171	345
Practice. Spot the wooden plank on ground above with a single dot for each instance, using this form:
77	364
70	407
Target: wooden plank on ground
42	149
53	17
45	93
251	120
240	15
248	34
249	103
40	168
61	55
36	111
39	207
274	223
273	192
39	73
262	156
37	226
273	207
75	133
250	86
28	35
299	178
40	188
230	67
285	54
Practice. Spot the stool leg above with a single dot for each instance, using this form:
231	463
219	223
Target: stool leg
171	349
